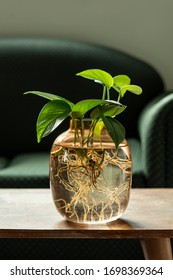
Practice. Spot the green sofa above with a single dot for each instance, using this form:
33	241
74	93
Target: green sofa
50	65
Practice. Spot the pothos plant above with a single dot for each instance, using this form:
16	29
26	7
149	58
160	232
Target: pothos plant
102	111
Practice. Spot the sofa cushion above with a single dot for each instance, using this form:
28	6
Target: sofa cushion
26	171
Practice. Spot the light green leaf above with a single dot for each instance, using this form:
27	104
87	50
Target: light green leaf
50	117
50	96
97	75
83	106
115	129
121	80
132	88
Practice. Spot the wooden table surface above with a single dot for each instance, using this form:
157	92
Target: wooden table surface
30	213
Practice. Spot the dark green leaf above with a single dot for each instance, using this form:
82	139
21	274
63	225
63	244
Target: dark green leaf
49	96
111	109
115	129
50	117
97	75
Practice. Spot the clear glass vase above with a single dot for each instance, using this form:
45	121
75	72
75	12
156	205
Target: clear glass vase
90	180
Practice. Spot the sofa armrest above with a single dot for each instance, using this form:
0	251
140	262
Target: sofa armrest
156	135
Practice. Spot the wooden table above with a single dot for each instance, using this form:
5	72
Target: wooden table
30	213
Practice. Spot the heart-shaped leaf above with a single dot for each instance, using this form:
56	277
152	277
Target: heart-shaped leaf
115	129
121	80
98	75
50	117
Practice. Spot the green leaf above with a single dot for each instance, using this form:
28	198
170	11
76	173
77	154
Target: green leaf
133	88
111	109
121	80
115	129
49	96
83	106
50	117
122	85
97	75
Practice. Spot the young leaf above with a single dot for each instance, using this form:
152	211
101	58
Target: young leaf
83	106
122	84
121	80
115	129
97	75
50	96
50	117
133	88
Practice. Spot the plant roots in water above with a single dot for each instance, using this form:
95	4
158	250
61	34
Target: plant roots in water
90	185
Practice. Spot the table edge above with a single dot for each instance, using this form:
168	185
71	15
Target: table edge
86	234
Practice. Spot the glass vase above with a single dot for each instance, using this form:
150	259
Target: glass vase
90	179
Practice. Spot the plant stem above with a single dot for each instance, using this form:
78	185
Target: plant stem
89	139
104	93
75	133
108	94
119	97
82	132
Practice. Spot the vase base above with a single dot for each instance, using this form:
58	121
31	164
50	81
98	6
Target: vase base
88	222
